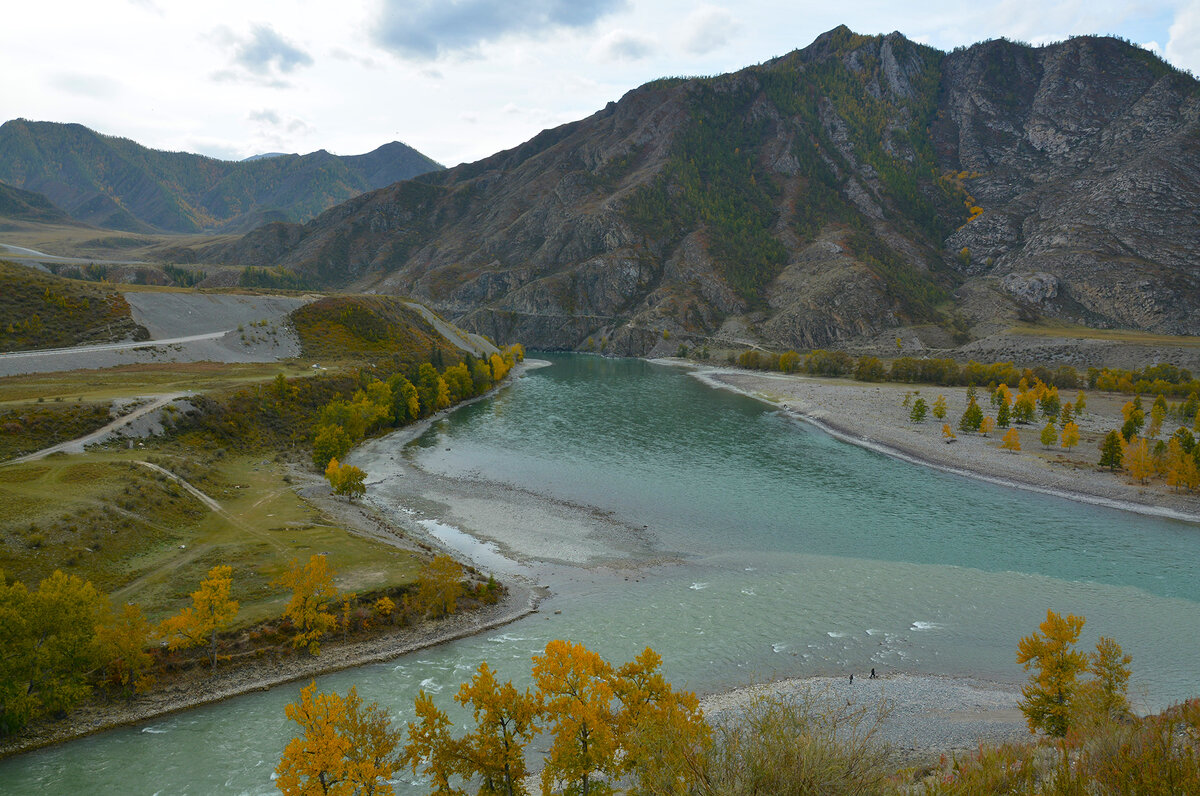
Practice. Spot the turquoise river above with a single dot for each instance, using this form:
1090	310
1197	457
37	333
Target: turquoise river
752	547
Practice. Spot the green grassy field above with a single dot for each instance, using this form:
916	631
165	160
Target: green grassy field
143	538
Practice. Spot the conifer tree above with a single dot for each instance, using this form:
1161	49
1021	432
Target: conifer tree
1112	450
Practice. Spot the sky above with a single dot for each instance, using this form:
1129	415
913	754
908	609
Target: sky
456	79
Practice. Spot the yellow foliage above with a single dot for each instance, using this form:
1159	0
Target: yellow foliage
312	593
1011	441
211	611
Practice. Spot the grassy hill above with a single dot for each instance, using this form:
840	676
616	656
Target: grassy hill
38	310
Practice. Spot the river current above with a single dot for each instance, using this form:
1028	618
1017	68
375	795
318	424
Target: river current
765	549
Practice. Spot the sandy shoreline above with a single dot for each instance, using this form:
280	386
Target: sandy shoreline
871	415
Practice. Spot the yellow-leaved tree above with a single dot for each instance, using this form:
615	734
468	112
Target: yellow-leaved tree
212	610
576	684
1070	435
506	721
439	586
312	594
661	731
1011	441
345	479
123	636
346	748
1046	699
1138	460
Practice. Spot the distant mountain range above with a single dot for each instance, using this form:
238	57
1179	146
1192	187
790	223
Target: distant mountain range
20	205
833	196
119	184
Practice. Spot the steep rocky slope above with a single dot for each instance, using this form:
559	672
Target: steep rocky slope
117	183
857	188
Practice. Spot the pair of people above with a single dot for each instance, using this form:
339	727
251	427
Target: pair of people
872	677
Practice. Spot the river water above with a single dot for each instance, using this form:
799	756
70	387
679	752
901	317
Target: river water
755	547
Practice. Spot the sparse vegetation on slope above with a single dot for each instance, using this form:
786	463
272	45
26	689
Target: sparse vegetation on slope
38	310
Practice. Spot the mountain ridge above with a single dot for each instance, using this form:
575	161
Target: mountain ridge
114	182
841	194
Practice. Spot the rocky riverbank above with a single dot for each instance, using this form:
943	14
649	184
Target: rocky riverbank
873	415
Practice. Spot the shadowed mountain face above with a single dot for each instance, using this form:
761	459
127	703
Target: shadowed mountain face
116	183
22	205
831	196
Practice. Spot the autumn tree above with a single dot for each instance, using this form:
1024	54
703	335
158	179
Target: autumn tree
506	721
1112	450
917	414
47	647
939	407
384	608
947	433
406	403
439	586
1135	418
1137	459
1011	441
346	479
1080	403
1049	435
1067	414
345	747
1051	651
1024	408
986	426
123	636
1050	404
1106	694
212	610
1070	435
312	594
1158	413
576	684
660	730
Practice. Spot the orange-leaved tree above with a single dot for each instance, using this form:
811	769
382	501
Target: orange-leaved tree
345	748
212	610
123	636
439	585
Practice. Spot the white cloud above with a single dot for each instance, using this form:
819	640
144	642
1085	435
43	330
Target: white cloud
1183	46
262	56
426	29
708	28
624	45
85	85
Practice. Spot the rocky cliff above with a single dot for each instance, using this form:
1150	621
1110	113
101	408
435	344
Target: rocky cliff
856	190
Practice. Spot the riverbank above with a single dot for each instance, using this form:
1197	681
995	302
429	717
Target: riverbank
873	416
922	716
200	688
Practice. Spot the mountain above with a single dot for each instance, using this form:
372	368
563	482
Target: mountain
119	184
22	205
264	156
838	195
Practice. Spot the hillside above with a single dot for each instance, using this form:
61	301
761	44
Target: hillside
20	205
119	184
40	310
842	194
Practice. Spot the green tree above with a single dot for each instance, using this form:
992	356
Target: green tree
917	413
331	442
1002	415
971	418
1046	699
212	610
1112	450
1049	435
47	647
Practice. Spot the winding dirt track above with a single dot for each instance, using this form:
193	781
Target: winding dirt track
78	445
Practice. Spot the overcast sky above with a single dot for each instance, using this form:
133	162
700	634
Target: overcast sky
457	79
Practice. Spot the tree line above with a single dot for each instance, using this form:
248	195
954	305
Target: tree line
64	640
